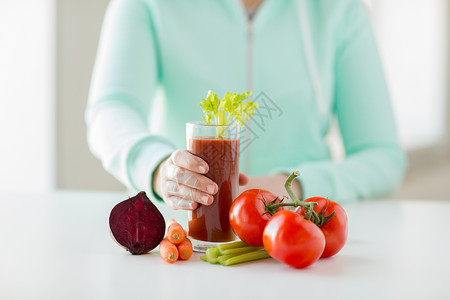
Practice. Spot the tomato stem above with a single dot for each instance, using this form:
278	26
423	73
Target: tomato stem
272	207
307	206
288	187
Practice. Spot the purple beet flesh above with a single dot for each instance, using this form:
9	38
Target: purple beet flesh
137	224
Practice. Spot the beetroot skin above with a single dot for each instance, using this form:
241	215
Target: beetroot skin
136	224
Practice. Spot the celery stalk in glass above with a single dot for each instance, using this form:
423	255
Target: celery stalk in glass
231	107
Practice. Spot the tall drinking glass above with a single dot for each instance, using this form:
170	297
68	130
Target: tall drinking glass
218	146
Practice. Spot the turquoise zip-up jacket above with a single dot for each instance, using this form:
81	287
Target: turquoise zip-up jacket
305	61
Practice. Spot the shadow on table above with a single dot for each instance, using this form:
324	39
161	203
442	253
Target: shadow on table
343	265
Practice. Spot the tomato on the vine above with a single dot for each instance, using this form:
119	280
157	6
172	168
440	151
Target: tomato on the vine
248	215
293	240
335	229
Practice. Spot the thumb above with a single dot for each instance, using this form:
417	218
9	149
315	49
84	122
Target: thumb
243	179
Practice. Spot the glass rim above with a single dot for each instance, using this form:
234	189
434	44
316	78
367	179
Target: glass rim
202	124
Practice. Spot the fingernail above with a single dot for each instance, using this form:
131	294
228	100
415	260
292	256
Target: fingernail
205	199
202	169
210	188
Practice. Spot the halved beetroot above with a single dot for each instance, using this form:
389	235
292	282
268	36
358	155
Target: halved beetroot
136	224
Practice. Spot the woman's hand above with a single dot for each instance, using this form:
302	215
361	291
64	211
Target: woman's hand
181	182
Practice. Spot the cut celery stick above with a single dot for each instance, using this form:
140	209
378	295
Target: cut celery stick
246	257
223	258
241	250
214	260
212	254
232	245
204	258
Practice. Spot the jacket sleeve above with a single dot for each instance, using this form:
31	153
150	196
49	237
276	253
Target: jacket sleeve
123	86
375	163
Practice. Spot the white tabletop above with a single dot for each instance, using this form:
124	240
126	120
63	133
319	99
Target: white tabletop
57	246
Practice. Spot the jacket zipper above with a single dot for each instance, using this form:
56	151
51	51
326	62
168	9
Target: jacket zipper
249	84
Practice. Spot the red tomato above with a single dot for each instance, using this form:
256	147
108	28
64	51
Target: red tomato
335	230
247	216
293	240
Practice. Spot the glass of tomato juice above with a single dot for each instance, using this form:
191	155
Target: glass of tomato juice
218	146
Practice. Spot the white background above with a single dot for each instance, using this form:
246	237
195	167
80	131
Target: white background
27	94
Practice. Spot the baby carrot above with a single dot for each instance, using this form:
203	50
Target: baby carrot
168	223
175	233
168	251
185	249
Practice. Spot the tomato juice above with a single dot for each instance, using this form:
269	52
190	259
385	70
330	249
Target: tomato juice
210	222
